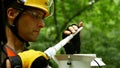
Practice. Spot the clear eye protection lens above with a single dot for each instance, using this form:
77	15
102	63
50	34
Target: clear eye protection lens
50	2
51	7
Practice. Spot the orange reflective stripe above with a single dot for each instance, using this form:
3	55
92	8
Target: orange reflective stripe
10	52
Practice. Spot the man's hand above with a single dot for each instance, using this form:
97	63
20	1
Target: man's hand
34	59
72	29
73	46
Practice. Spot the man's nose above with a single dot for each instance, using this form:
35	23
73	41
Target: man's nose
41	24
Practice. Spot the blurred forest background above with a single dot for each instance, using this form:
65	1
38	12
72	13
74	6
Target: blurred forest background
101	32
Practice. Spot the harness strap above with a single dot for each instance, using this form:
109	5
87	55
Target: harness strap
15	60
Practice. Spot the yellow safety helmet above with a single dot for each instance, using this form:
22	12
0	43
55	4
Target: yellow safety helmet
40	4
29	56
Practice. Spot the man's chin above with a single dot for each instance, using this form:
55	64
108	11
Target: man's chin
32	40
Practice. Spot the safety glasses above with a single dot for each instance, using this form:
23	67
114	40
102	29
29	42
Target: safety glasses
35	14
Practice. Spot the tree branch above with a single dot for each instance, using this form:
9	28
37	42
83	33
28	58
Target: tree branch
77	14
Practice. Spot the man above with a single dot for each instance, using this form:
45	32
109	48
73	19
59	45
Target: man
24	20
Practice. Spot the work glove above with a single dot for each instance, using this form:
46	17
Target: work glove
34	59
73	46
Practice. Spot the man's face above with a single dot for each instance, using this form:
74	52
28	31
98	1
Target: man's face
30	23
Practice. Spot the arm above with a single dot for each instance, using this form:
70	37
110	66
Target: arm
8	64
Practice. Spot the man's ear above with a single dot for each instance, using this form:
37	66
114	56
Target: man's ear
11	13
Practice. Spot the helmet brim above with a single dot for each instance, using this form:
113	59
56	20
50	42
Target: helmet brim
39	7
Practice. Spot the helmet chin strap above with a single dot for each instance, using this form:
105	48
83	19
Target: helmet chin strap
15	30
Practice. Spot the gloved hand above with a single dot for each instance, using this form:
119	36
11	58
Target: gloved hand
33	59
73	46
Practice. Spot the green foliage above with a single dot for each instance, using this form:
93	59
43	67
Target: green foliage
101	28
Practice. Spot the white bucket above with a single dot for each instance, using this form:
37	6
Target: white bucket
75	61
